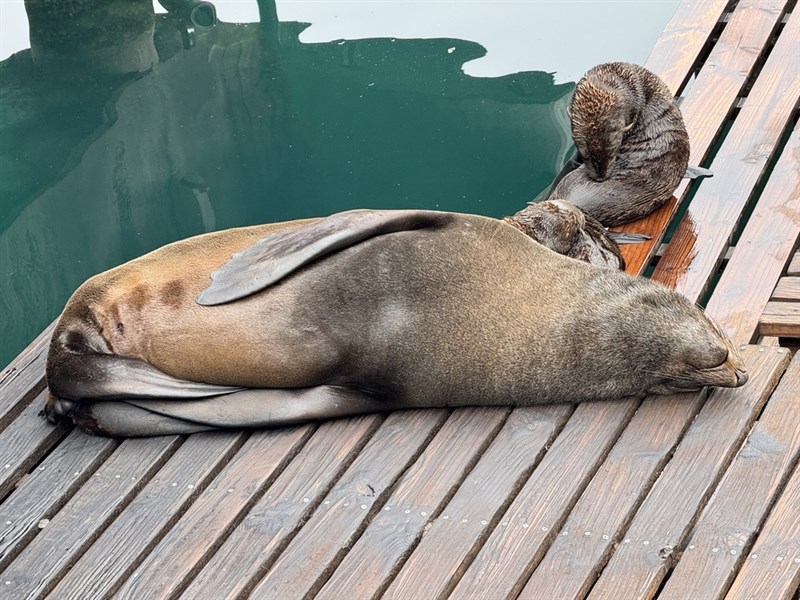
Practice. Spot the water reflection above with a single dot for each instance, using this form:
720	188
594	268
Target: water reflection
117	142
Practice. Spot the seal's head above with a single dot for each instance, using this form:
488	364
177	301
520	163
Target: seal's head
670	345
600	119
699	355
567	230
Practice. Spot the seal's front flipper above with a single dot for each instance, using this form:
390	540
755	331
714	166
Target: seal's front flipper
244	409
573	163
271	259
621	237
697	172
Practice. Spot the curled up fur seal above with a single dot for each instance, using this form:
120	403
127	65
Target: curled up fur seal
360	312
632	145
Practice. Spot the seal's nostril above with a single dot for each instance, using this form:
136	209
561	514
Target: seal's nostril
741	377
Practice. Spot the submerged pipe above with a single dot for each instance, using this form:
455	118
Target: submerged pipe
190	16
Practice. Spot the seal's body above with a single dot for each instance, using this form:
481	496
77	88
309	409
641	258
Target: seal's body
632	144
360	312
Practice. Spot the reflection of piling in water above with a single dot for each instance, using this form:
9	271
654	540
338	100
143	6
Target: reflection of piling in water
109	36
268	22
199	188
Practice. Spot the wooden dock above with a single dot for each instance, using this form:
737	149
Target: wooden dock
693	496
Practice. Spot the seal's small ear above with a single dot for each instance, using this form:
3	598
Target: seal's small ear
274	257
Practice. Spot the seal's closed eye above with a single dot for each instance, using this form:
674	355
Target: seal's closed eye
274	257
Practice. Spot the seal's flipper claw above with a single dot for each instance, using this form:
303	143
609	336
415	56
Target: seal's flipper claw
697	172
621	237
271	259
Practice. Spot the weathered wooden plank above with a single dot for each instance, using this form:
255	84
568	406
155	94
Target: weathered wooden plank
683	39
23	378
75	526
794	266
702	235
570	566
336	524
132	534
788	288
202	527
666	516
707	105
417	498
735	513
772	569
454	537
42	493
637	256
781	319
24	442
527	528
766	244
719	85
257	541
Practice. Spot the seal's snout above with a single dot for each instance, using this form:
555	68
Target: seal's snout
735	363
600	166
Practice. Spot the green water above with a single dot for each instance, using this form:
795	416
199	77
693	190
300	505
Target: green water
250	125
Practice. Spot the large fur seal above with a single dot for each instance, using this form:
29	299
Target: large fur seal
365	311
633	148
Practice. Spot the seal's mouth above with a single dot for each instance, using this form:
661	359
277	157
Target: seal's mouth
731	373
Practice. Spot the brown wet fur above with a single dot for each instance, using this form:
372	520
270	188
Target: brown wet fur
567	230
632	139
173	293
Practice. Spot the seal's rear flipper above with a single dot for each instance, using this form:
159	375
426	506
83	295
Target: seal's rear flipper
78	378
697	172
245	409
96	376
271	259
